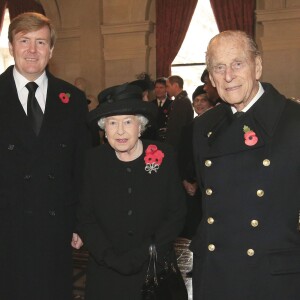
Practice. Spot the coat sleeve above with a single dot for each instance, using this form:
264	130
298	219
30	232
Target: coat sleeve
88	228
181	114
174	219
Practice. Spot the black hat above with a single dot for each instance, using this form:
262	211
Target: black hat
145	85
125	99
204	74
198	91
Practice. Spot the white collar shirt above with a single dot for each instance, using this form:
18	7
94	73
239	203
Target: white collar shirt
40	94
252	102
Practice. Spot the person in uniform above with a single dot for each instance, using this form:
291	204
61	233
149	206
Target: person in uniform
248	167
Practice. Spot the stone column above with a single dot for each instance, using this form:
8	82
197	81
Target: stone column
278	37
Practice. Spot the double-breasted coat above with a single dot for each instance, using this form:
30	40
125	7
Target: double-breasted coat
248	243
40	178
124	208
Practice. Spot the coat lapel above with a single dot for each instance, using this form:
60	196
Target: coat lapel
16	118
56	112
226	134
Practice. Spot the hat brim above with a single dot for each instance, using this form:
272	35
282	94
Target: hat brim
129	107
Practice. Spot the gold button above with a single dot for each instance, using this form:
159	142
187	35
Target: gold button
211	247
266	162
250	252
208	192
254	223
260	193
208	163
209	134
210	220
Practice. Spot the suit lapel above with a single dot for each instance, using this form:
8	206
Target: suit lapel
16	117
56	112
229	136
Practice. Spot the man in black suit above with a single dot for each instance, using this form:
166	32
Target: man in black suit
43	137
248	168
181	114
163	102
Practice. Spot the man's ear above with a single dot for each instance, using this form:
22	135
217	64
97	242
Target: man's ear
51	52
10	47
258	67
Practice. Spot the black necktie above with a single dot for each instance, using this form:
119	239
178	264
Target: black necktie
238	114
34	111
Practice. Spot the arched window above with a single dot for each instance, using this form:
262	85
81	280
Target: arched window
190	60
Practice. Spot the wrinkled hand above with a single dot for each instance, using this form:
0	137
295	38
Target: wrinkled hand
76	242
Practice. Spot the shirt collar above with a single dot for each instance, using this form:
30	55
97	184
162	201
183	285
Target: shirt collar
252	102
21	81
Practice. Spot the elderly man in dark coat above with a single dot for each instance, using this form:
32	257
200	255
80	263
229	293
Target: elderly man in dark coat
41	156
248	166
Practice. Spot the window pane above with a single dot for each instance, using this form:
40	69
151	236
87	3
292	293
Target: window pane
5	58
202	28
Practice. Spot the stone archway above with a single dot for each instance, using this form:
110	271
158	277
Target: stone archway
52	11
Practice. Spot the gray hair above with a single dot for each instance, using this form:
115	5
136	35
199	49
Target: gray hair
142	120
250	44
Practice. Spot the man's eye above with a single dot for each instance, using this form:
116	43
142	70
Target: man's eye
219	68
237	65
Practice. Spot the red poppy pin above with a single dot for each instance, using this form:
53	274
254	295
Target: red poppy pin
64	97
250	136
153	158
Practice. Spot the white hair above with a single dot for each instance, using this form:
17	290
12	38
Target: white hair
142	120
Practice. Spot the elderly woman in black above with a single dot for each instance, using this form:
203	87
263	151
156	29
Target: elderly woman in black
132	196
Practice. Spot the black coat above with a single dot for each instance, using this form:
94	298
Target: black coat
39	184
181	115
248	243
163	112
187	172
123	206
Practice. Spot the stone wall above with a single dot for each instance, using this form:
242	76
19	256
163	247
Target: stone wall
278	36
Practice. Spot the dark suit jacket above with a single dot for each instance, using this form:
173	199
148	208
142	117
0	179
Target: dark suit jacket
39	185
121	211
181	115
248	243
163	113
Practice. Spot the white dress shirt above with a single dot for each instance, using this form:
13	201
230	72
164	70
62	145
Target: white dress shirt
40	94
256	97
